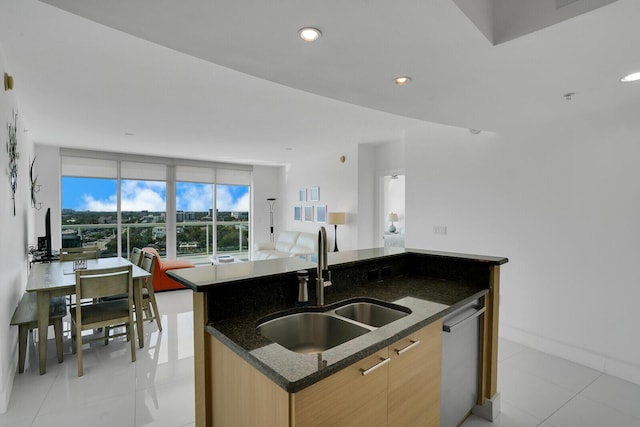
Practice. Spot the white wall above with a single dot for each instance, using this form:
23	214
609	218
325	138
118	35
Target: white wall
15	231
266	184
562	202
338	184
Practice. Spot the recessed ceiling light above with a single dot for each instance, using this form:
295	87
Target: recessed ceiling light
402	80
631	78
309	34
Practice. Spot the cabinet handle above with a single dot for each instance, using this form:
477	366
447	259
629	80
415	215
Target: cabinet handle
407	348
383	361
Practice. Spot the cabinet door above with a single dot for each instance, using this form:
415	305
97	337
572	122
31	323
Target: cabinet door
414	378
346	398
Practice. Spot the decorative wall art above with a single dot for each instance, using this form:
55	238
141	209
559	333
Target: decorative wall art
321	213
12	149
315	194
35	187
303	195
297	213
308	214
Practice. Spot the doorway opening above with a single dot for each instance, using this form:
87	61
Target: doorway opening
392	210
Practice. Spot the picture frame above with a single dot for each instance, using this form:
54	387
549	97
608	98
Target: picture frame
303	195
321	214
308	213
315	194
297	213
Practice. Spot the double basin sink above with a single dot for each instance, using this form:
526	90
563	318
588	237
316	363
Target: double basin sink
313	331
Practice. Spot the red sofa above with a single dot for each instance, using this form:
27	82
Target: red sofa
162	282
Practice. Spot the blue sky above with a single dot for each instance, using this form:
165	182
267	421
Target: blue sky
94	194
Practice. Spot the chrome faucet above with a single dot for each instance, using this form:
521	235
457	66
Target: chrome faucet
323	266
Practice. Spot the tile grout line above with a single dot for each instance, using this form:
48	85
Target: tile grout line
576	394
44	398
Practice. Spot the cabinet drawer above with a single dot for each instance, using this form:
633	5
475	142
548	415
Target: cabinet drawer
347	398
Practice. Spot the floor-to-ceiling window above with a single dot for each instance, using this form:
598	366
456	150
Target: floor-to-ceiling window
232	219
233	208
194	210
89	204
143	206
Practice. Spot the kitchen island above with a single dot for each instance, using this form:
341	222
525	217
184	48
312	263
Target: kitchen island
231	300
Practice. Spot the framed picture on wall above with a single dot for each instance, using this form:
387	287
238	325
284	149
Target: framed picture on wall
321	213
315	194
308	214
303	195
297	213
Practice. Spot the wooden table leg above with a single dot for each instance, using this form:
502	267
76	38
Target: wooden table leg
43	328
137	295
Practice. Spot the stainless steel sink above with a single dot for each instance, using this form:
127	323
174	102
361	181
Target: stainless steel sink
310	333
370	313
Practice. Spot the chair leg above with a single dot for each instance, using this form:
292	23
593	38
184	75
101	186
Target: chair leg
73	339
79	351
23	335
154	305
57	328
106	335
132	341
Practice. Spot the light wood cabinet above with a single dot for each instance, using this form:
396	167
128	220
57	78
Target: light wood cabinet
346	398
414	378
242	395
401	387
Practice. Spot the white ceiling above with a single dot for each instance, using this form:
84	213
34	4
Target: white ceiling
229	80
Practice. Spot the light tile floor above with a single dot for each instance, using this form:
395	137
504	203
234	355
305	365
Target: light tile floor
542	390
157	390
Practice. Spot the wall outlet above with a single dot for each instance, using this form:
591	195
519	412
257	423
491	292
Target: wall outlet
440	229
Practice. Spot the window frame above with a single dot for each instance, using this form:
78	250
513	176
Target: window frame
237	174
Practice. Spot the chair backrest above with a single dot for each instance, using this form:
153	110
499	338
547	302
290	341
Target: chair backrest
104	282
70	254
153	251
148	262
136	256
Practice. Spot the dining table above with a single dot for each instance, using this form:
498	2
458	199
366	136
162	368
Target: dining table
57	278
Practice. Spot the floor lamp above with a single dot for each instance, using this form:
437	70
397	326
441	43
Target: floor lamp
271	202
336	218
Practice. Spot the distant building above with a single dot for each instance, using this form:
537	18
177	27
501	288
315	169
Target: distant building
159	233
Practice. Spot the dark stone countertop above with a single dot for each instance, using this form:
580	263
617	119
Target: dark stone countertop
428	298
203	278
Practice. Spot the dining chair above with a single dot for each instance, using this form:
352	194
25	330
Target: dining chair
136	256
149	304
72	254
95	284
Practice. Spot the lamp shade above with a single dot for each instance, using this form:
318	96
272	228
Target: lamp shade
337	218
392	217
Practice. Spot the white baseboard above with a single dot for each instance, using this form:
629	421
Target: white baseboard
10	371
617	368
5	393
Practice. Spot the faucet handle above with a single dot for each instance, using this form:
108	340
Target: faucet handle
328	281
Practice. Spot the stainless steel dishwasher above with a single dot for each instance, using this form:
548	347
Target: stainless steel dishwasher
460	363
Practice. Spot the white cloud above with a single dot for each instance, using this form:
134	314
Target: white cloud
150	196
136	196
91	204
227	202
195	198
